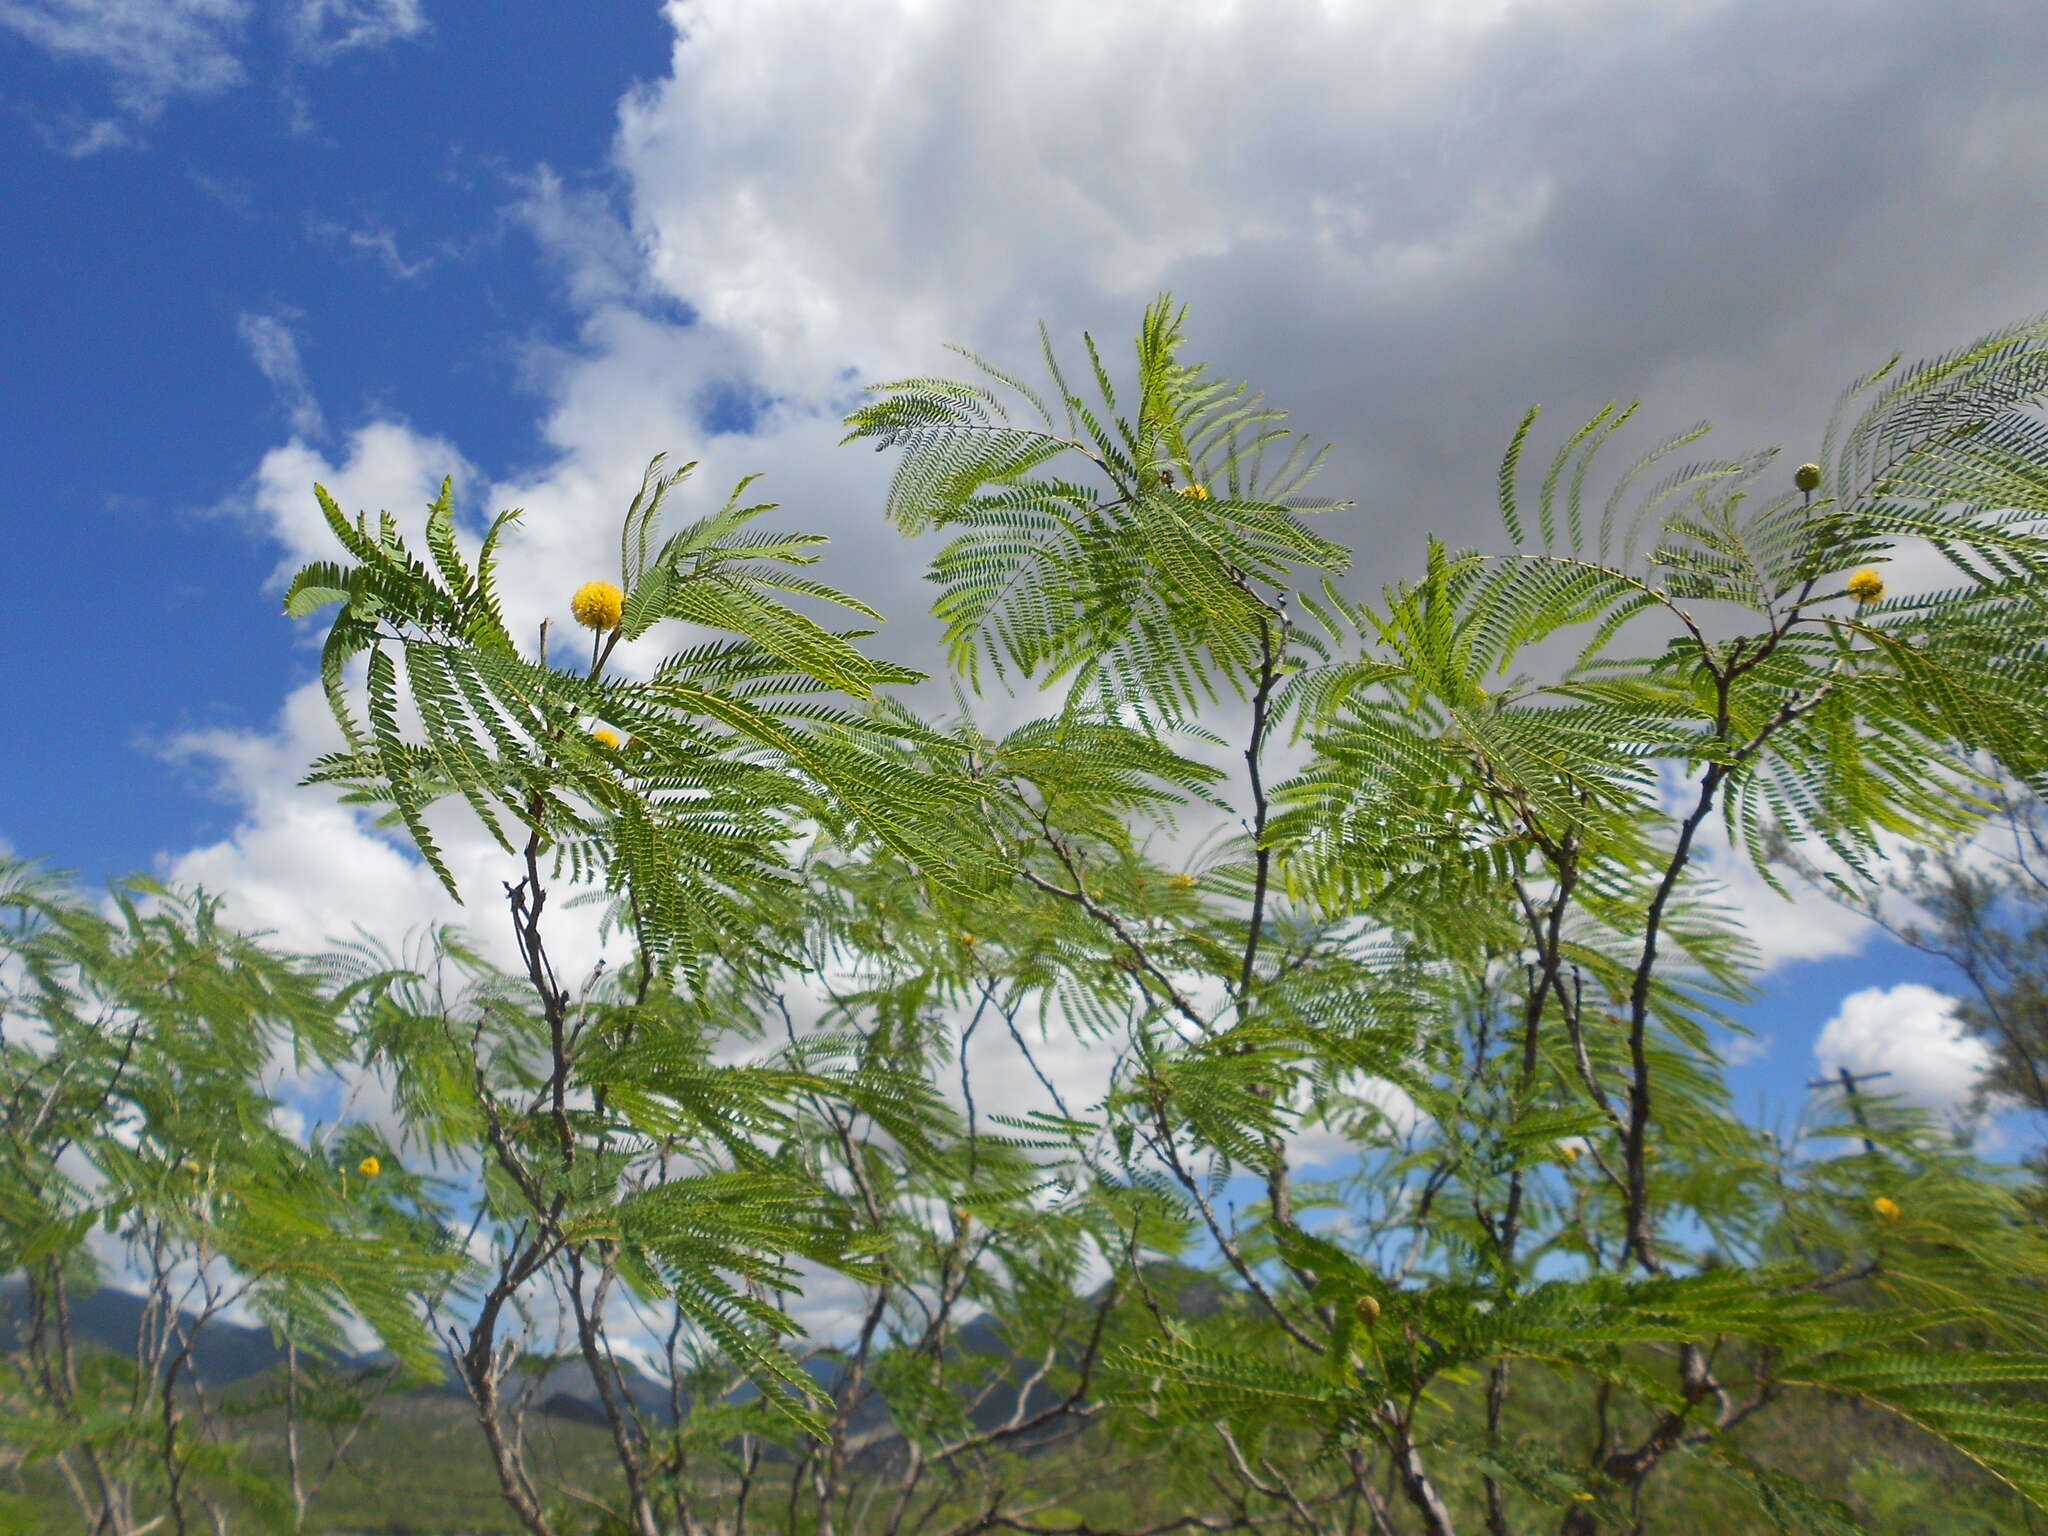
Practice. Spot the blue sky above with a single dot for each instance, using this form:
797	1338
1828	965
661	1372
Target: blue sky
369	205
370	241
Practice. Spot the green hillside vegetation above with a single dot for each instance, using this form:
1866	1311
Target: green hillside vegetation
739	1232
416	1471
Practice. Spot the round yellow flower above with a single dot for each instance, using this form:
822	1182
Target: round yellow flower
369	1167
1182	882
967	941
1568	1150
1866	586
1806	476
605	738
598	605
1886	1207
1199	491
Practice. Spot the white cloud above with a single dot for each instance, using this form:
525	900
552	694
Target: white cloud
154	49
583	235
1359	1098
322	29
275	350
1741	1050
378	242
289	1121
299	864
838	191
1805	925
311	870
387	466
1910	1031
1381	211
80	140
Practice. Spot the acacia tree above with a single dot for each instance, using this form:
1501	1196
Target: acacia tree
620	1155
967	1391
1470	844
137	1136
1469	933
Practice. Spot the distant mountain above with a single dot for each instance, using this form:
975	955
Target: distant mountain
110	1319
226	1353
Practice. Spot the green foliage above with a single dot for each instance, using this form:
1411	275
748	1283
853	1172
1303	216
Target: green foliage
728	746
1546	960
1138	592
139	1133
1461	944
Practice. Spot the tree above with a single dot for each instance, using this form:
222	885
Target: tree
138	1134
618	1153
1466	933
1509	844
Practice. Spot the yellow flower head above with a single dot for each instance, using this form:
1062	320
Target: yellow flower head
1182	882
604	737
1886	1207
1866	586
967	941
1806	476
1199	491
598	605
369	1167
1568	1150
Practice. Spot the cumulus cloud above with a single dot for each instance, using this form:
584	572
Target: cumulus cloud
1362	1102
1404	221
385	466
1910	1031
310	870
1802	925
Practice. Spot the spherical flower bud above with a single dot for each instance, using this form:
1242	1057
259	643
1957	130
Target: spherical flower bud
1198	491
1806	476
369	1167
1886	1207
1568	1150
967	941
1866	586
598	605
1367	1310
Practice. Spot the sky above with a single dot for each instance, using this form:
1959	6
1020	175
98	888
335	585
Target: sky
373	242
